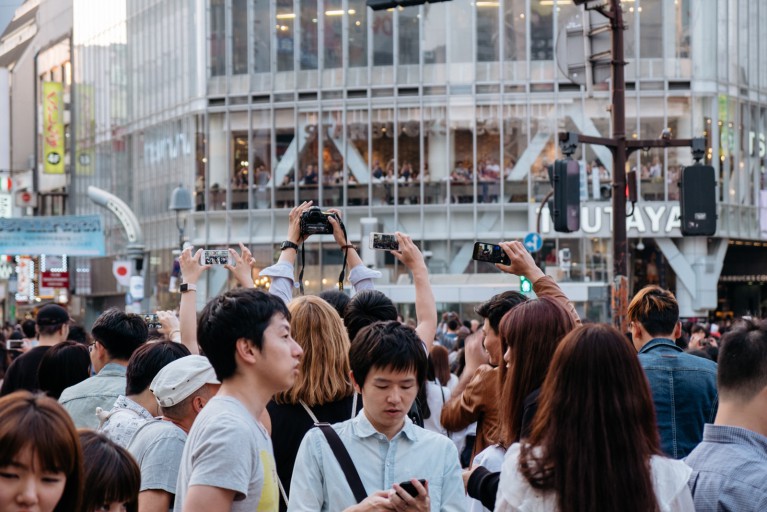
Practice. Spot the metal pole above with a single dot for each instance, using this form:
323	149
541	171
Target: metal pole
620	246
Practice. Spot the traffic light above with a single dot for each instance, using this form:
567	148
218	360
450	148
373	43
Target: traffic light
525	286
697	200
565	178
380	5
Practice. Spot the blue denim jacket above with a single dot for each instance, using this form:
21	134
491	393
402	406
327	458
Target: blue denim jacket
684	392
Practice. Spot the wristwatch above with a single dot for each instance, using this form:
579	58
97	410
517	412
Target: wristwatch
287	244
187	287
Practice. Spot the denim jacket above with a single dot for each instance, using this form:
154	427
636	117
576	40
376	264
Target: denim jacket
684	392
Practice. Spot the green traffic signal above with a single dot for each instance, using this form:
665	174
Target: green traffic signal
525	286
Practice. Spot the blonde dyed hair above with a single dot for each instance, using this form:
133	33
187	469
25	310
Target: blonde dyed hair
324	368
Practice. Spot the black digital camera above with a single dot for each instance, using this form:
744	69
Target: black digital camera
316	222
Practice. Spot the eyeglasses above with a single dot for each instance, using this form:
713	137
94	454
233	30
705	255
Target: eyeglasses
90	346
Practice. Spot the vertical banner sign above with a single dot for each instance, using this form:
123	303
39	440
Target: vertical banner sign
86	129
53	129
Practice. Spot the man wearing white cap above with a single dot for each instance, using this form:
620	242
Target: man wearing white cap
182	388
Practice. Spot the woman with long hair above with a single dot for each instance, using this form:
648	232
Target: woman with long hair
322	391
112	476
530	333
594	442
40	455
434	393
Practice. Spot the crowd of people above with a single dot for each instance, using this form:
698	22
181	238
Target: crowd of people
266	401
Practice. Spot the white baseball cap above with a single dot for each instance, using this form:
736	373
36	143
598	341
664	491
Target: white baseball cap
180	378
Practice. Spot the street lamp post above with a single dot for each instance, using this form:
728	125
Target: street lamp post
181	203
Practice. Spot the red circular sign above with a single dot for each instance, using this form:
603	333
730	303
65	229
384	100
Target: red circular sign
26	197
122	271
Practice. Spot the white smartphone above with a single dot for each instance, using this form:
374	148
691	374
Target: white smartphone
217	257
384	241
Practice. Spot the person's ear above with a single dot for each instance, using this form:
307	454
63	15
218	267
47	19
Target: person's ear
357	387
246	350
677	330
198	403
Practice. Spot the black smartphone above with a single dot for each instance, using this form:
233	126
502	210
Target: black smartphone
410	488
491	253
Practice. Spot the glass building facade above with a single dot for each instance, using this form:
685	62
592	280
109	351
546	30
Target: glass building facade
438	120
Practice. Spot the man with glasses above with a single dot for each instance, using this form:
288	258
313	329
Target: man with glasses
116	336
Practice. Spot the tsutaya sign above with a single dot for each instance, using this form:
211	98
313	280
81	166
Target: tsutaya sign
652	219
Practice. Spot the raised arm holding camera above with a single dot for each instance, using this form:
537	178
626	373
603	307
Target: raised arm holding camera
305	220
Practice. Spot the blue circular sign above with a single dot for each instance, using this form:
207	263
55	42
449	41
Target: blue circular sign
533	242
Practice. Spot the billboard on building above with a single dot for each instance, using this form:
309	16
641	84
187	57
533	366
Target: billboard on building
80	235
53	128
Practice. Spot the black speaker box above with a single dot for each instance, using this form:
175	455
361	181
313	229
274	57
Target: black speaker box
697	200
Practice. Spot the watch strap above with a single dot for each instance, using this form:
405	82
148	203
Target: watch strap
187	287
287	244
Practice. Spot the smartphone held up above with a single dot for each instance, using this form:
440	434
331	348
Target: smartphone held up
491	253
384	241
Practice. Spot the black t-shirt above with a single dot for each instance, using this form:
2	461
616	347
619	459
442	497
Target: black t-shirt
289	425
22	374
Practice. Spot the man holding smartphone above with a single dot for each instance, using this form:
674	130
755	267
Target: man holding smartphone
388	364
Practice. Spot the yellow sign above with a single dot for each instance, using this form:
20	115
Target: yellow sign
53	129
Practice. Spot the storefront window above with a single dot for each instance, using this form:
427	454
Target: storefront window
462	172
217	42
201	162
308	171
332	169
262	37
541	32
383	169
461	46
358	33
408	156
239	161
218	161
489	170
487	32
285	35
239	37
357	157
515	145
308	20
286	153
261	158
408	36
383	38
437	149
333	44
650	29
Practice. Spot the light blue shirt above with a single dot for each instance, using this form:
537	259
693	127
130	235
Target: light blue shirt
729	470
283	281
101	390
319	484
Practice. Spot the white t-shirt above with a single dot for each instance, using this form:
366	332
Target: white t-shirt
436	396
515	493
229	449
491	458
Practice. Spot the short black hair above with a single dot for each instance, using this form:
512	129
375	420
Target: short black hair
742	365
28	327
147	361
336	298
452	325
366	307
63	365
236	314
387	345
699	328
78	333
120	333
498	305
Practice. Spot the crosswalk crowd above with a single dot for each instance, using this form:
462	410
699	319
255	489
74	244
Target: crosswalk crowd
267	402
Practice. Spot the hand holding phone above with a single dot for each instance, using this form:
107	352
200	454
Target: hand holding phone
492	253
410	488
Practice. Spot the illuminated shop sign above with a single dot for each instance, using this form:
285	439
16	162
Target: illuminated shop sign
596	219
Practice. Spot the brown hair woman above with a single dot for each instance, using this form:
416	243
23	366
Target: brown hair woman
594	444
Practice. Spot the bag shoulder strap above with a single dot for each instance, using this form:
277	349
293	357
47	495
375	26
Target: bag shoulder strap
344	460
